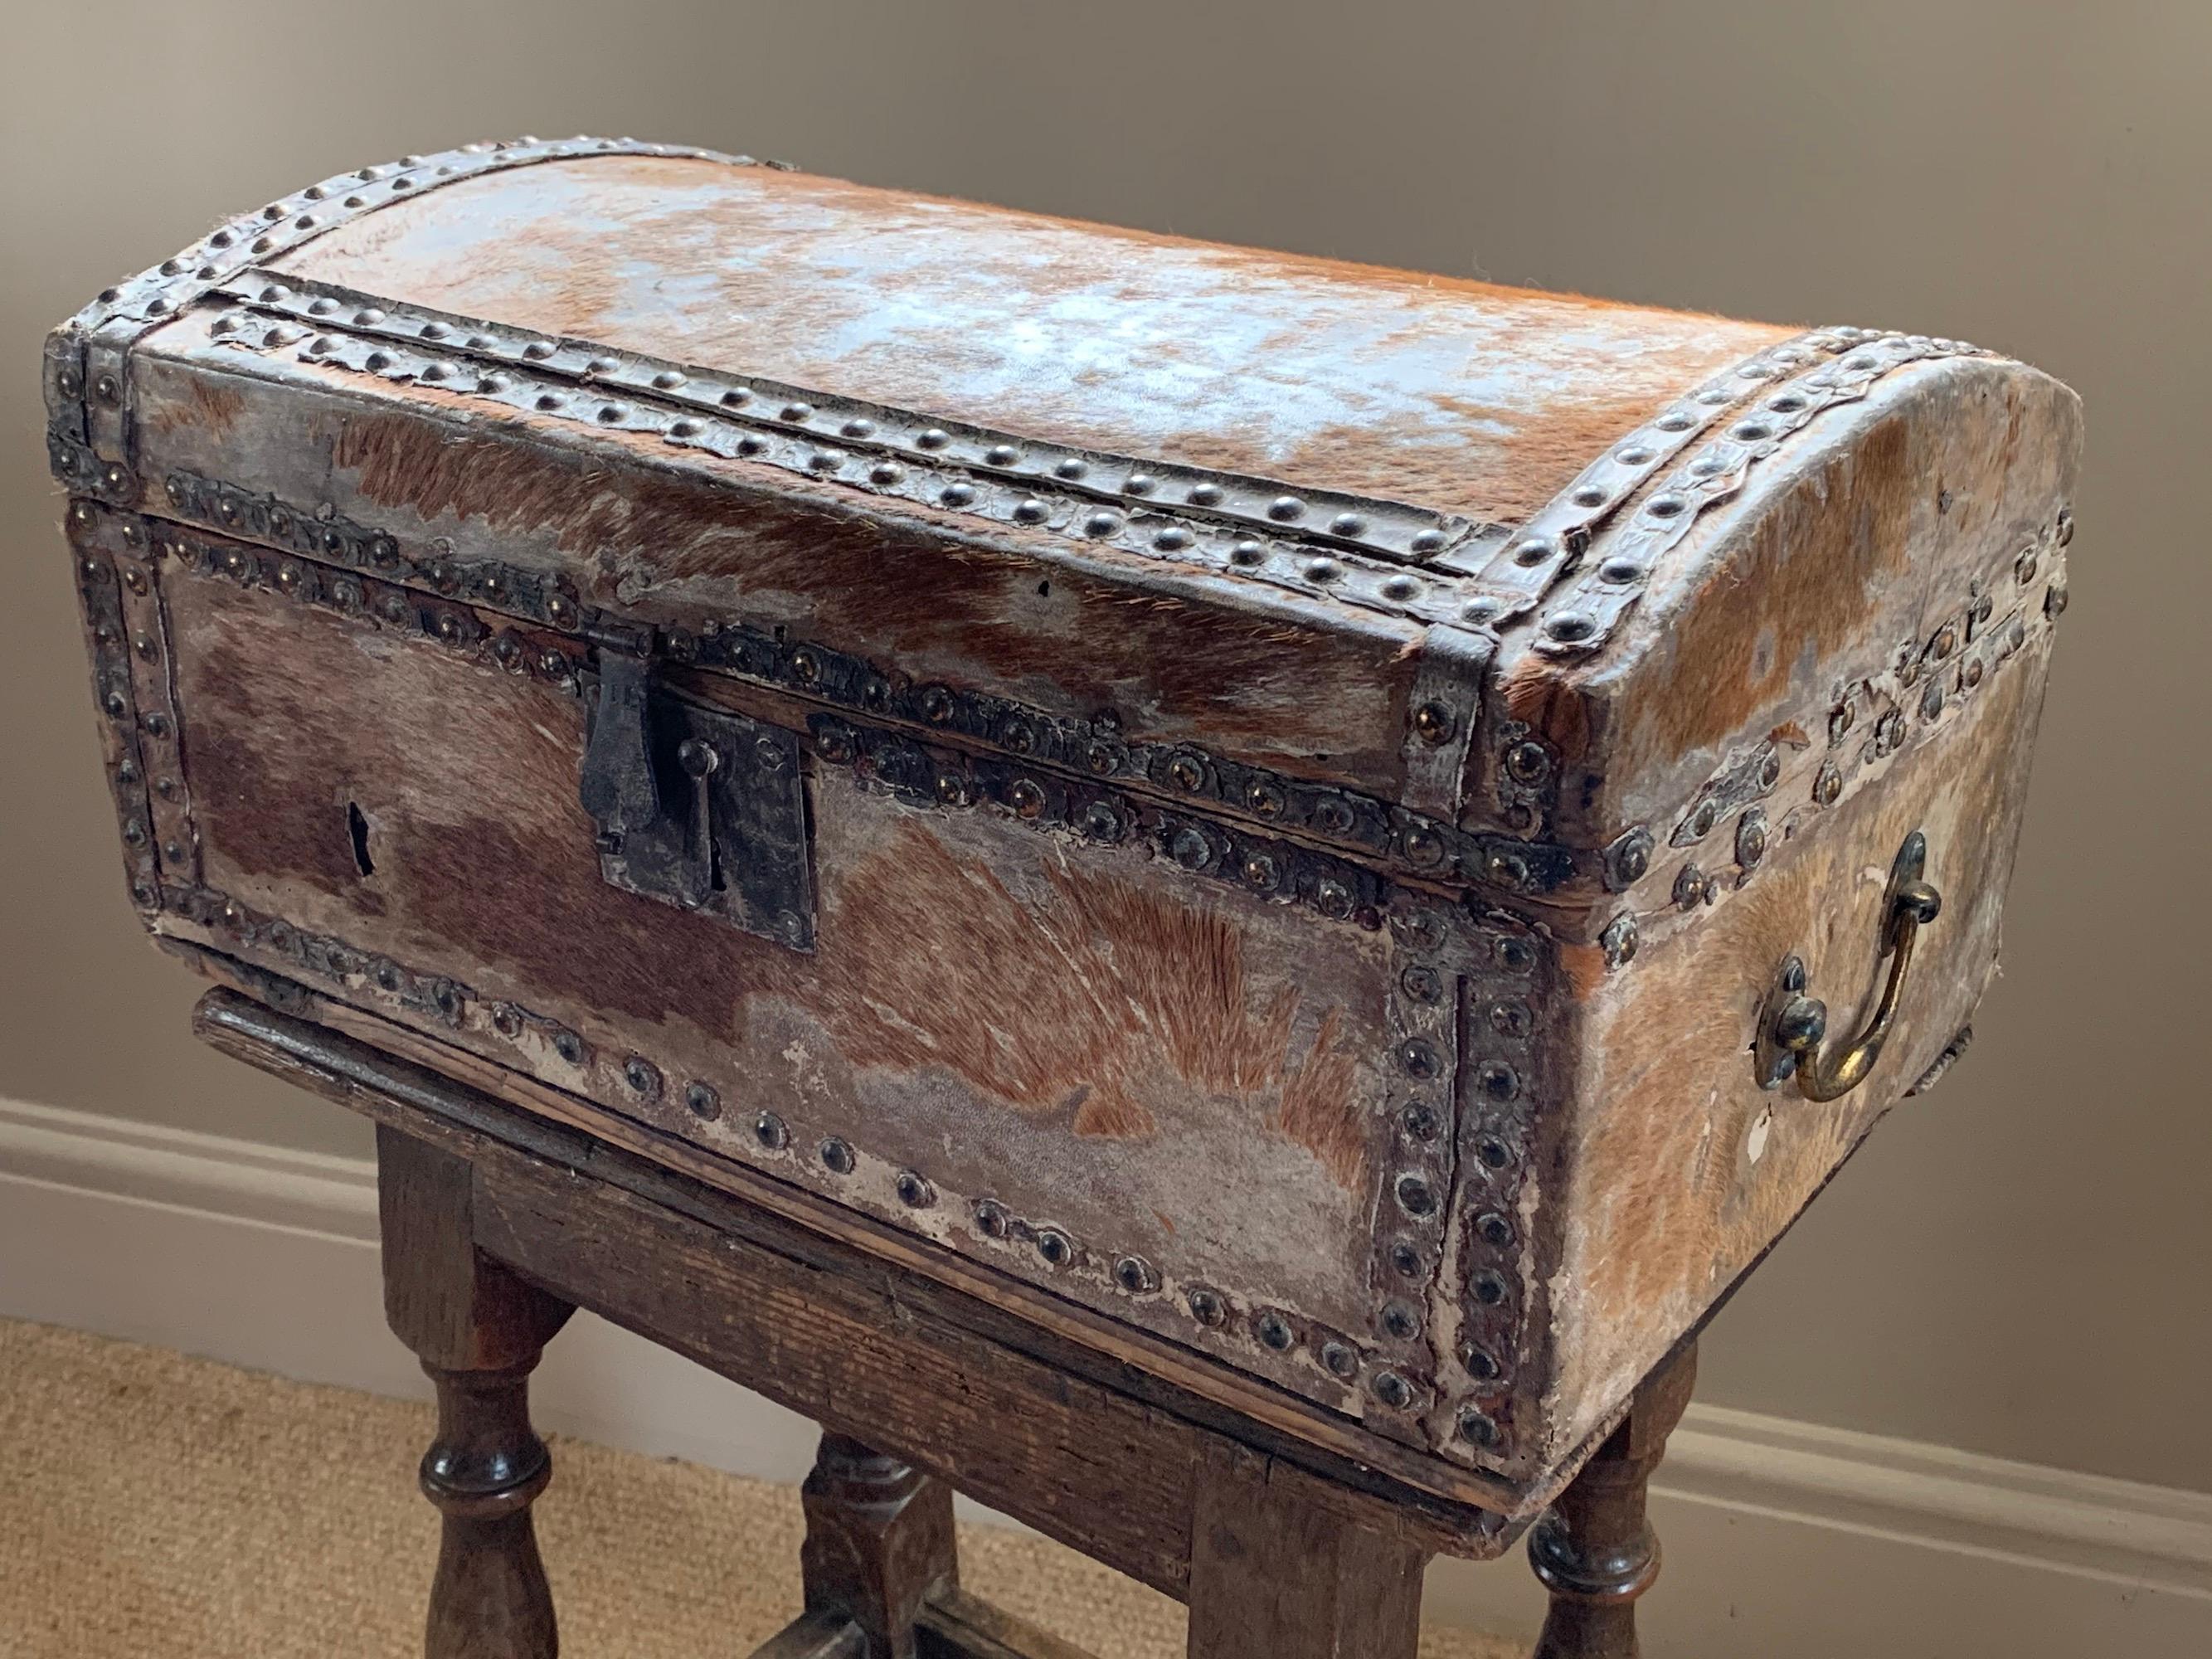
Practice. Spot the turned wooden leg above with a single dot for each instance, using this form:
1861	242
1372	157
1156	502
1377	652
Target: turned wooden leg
1273	1576
879	1543
1596	1551
478	1331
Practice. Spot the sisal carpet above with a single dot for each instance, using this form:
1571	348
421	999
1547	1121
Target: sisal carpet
153	1504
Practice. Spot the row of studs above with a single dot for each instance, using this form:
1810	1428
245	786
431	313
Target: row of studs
1283	1339
101	600
1499	1092
926	774
735	414
1427	1220
285	223
1549	545
1579	619
1412	1211
86	361
1135	528
135	643
365	601
1420	845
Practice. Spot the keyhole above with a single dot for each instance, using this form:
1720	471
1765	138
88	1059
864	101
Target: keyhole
357	828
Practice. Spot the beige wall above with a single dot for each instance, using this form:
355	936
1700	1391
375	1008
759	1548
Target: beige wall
2016	1265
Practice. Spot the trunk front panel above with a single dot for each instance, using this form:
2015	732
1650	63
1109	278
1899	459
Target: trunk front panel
1141	1086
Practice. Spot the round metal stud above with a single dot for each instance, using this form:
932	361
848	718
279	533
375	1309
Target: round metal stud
1260	872
1628	858
1206	1307
1415	1196
1479	1363
1490	1288
1477	1427
1134	1274
1751	839
1054	1246
1512	1018
1189	847
1419	1120
913	1190
1339	1360
1331	817
1494	1229
568	1046
642	1076
1690	887
991	1219
1422	983
1026	798
1406	1260
705	1103
1527	763
836	1156
1334	899
1285	508
1499	1081
1274	1331
1514	954
1393	1390
1619	941
1101	822
1434	723
1401	1321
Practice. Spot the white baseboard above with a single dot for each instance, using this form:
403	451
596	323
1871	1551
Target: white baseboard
1783	1538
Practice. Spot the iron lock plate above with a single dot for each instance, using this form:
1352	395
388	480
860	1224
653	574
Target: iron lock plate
697	807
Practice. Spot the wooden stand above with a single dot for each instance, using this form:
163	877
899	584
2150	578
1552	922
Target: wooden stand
496	1225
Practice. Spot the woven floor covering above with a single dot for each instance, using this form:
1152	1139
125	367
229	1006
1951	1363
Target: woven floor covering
155	1504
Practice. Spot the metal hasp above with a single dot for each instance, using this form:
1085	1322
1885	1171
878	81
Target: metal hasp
1792	1024
697	807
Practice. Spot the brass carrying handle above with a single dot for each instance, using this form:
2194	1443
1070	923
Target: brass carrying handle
1794	1023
